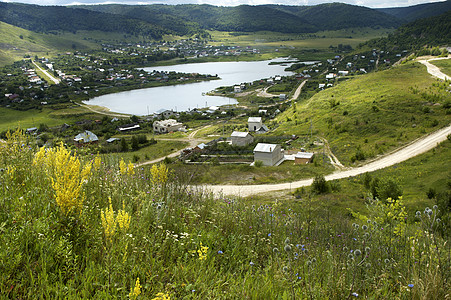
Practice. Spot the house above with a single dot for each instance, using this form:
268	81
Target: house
331	76
262	111
282	97
303	158
343	73
237	89
164	113
269	154
168	125
241	138
85	138
32	130
321	85
254	123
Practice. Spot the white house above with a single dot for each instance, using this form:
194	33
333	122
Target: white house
254	123
237	89
241	138
166	126
282	97
269	154
85	138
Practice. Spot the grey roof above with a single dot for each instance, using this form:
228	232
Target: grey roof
307	155
240	134
263	129
86	137
160	111
110	140
201	146
254	119
268	148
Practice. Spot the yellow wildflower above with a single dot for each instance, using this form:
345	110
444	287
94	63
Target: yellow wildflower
67	175
202	251
162	296
160	174
126	168
108	221
136	291
123	219
97	163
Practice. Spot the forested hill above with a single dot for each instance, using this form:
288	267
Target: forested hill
416	12
433	31
334	16
59	18
238	18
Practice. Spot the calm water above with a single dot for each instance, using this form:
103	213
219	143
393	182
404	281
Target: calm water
188	96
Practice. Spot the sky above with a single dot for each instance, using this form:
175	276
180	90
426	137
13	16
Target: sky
367	3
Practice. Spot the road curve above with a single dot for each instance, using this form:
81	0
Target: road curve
415	148
434	70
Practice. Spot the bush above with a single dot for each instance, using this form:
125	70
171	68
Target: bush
320	185
258	163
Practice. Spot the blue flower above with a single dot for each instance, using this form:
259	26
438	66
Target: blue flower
410	285
355	294
220	252
269	234
251	263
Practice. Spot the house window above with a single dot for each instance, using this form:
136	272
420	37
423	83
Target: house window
255	128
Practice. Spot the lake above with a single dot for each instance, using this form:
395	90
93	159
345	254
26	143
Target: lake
184	97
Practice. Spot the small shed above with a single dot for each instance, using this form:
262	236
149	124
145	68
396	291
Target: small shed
254	123
241	138
269	154
303	158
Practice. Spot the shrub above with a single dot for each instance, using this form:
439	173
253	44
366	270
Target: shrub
320	185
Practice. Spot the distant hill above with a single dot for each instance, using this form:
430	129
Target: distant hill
412	13
335	16
246	18
58	18
433	31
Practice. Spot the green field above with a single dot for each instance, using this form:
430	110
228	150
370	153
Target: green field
372	114
17	43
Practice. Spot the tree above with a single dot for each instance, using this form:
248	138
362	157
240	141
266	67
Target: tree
135	144
124	145
320	185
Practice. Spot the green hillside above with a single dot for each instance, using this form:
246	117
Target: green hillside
335	16
415	12
17	43
372	114
58	18
246	18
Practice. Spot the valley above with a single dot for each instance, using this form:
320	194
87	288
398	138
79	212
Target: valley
213	152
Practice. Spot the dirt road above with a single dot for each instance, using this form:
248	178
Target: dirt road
434	70
55	80
415	148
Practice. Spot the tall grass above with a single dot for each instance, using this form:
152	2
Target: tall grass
142	233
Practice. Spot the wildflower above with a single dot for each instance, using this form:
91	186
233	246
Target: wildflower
136	291
202	252
108	221
67	175
220	252
124	168
410	285
123	219
355	294
269	234
160	174
162	296
251	263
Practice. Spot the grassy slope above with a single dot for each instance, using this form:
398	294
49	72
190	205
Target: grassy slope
13	48
377	112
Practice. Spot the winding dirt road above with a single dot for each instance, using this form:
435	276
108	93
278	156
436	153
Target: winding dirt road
415	148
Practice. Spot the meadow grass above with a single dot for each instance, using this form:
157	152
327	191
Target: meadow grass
141	232
372	114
